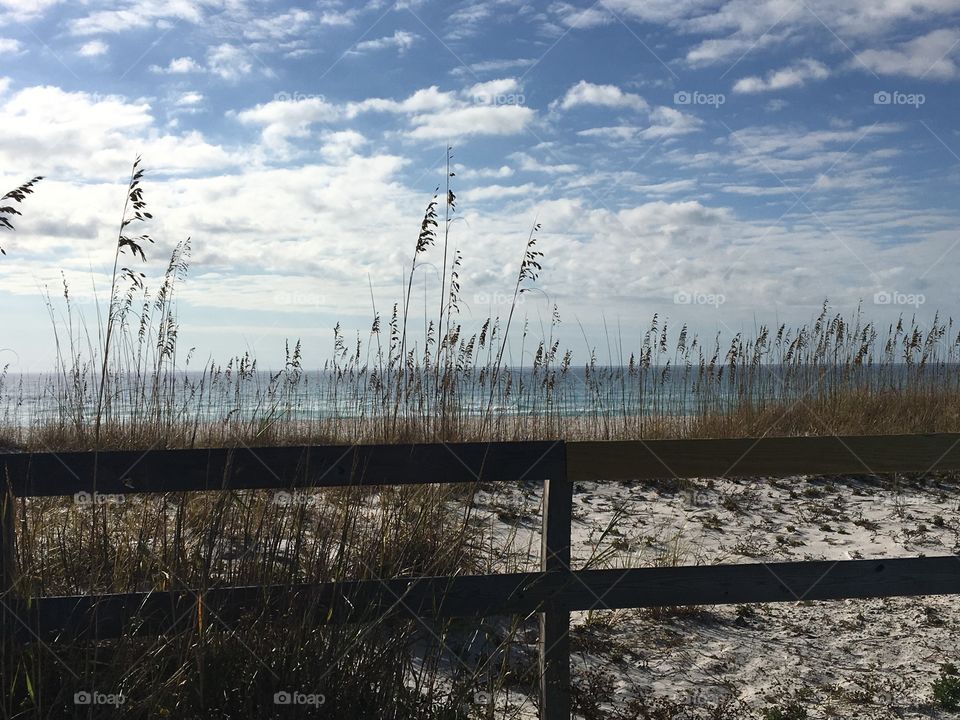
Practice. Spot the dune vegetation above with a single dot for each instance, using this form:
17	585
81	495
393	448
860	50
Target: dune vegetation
124	382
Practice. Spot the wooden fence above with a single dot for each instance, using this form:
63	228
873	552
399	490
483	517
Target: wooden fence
554	592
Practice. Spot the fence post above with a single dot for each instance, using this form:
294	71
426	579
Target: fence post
555	624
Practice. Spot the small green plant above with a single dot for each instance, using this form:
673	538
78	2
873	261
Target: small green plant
731	504
946	688
791	711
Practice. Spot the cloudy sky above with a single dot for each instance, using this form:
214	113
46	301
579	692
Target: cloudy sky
724	163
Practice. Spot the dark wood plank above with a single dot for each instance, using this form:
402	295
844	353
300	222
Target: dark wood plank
772	456
519	594
325	466
364	601
770	582
554	648
49	474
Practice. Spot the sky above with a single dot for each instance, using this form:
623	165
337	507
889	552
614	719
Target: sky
724	163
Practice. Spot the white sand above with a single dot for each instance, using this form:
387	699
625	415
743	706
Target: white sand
854	658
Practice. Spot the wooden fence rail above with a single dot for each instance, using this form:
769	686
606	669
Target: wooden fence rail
553	593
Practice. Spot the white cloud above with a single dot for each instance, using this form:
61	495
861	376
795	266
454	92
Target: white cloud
617	132
465	121
252	218
931	55
493	88
429	99
754	18
665	123
587	93
285	119
793	76
229	62
761	191
48	130
10	45
178	66
24	10
531	164
462	171
734	28
583	18
338	19
668	187
137	14
432	114
401	40
341	145
660	11
868	17
189	99
278	27
485	66
733	47
499	192
94	48
787	152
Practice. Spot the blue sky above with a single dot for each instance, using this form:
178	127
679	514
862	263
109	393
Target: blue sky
722	163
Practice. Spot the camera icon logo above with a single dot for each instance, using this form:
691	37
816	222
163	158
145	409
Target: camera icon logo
682	97
82	698
882	97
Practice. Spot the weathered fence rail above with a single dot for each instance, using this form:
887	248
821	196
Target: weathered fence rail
554	592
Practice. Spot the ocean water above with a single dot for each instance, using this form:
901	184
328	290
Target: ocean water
319	395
